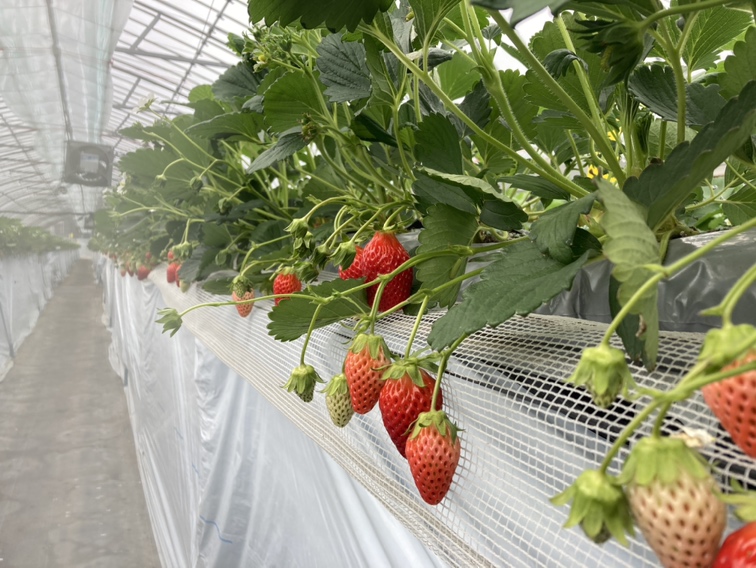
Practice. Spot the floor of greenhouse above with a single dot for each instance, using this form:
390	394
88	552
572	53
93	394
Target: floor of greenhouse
70	491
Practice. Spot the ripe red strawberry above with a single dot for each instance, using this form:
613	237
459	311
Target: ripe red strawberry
671	495
170	272
355	269
242	290
143	272
286	283
123	271
364	365
433	451
338	401
403	399
739	549
178	275
383	254
733	401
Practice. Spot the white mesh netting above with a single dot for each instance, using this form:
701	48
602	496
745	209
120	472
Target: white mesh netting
527	435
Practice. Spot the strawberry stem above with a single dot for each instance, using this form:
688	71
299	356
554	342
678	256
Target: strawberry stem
313	321
416	327
442	367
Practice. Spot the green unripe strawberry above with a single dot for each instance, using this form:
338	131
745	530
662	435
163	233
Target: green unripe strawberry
302	382
338	401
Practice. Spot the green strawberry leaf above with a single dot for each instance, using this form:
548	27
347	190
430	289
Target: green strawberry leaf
464	181
654	86
537	186
289	100
238	82
741	206
444	227
287	145
502	215
429	14
438	145
661	188
559	62
554	231
336	14
710	32
429	191
529	278
291	319
238	124
477	106
343	69
635	347
631	246
458	76
740	67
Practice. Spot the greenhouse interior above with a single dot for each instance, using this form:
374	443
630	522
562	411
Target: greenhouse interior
388	283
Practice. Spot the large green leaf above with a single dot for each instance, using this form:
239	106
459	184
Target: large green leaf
554	232
654	86
710	31
493	159
502	215
741	206
343	69
527	278
740	67
631	246
429	191
464	181
537	186
438	145
522	108
444	227
238	82
661	188
521	9
245	124
334	13
291	319
289	100
429	14
458	76
287	145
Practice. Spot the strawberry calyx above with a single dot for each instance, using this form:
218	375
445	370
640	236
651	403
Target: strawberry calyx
374	343
599	506
302	381
604	372
725	345
405	367
662	459
337	386
744	504
435	419
241	286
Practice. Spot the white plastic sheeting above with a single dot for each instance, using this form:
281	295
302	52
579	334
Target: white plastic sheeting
229	480
26	284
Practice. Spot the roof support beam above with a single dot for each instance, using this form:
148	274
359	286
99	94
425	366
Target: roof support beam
167	57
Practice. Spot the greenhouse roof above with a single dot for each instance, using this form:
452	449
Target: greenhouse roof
78	69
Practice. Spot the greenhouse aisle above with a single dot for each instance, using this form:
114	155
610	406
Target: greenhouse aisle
70	492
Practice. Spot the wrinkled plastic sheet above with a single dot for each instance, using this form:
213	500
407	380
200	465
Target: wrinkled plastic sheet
229	480
682	297
26	285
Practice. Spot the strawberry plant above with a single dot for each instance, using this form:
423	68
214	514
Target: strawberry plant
19	240
396	143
